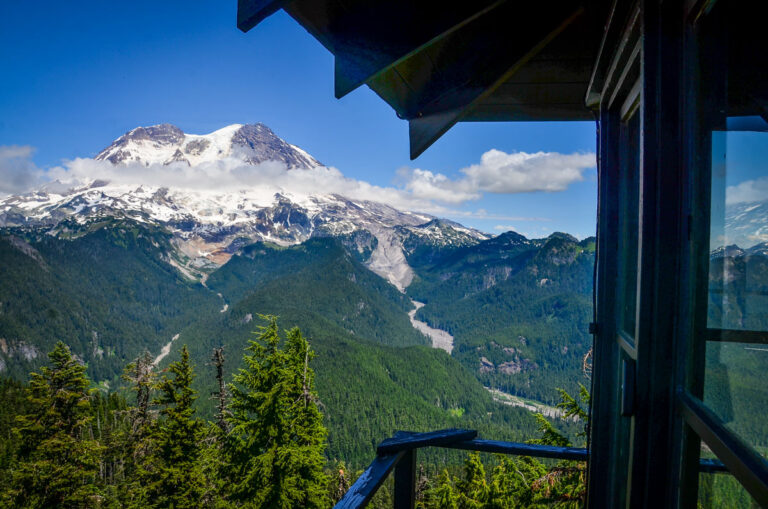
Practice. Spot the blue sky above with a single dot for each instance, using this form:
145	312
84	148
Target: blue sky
77	76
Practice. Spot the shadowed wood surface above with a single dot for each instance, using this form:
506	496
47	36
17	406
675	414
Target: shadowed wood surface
366	485
405	440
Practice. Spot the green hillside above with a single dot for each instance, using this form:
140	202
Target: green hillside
518	310
320	277
108	292
368	387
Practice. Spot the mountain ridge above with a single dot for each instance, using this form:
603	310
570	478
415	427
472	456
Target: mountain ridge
210	225
167	144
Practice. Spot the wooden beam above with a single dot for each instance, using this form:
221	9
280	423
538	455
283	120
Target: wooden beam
518	449
746	465
252	12
440	114
369	43
405	481
366	485
405	440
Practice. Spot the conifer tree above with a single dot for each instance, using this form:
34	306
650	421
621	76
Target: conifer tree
444	495
58	461
136	438
174	470
473	488
140	374
221	394
277	435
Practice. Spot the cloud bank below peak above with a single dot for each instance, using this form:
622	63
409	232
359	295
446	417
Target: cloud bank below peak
413	189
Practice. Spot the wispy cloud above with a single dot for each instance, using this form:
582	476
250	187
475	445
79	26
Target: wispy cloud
18	173
747	191
415	189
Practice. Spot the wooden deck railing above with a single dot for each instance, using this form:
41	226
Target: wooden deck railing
399	453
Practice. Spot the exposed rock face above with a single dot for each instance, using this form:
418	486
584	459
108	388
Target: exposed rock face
120	150
196	147
20	350
486	366
516	366
27	249
257	143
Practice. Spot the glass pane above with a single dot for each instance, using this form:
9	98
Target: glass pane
734	384
630	178
738	270
735	389
723	490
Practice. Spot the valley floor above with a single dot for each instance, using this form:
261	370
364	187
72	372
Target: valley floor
533	406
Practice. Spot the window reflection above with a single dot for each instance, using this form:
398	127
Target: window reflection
737	314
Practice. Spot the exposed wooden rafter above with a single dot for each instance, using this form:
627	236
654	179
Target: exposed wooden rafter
252	12
435	117
369	44
435	66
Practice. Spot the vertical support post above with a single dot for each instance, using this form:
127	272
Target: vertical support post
602	478
405	481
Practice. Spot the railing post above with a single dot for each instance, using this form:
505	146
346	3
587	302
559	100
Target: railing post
405	481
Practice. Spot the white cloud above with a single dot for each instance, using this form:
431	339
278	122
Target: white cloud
747	191
229	175
17	171
520	172
499	172
416	189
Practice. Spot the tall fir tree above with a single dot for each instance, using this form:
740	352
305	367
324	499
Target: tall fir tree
135	438
277	439
174	473
57	457
221	395
141	377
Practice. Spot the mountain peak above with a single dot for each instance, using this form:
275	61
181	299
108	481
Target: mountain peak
167	144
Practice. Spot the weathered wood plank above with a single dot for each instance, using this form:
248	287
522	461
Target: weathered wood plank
405	481
366	485
403	441
538	451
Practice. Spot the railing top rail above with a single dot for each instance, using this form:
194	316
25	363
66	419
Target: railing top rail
392	450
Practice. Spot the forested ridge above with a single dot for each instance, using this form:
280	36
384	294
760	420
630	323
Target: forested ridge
519	309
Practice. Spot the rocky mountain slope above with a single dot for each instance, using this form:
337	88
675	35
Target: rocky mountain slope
166	144
208	226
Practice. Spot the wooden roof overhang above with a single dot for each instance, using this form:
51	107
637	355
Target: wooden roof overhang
438	63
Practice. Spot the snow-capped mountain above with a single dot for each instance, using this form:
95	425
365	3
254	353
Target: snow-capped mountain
209	226
166	144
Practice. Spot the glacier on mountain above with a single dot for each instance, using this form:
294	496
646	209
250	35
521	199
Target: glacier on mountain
210	225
